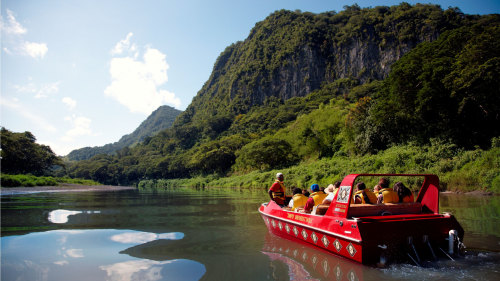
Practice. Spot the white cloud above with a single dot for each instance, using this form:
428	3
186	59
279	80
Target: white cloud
81	127
12	26
136	83
35	50
12	36
124	45
39	91
39	121
71	103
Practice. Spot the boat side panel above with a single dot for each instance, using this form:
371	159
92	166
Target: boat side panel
330	242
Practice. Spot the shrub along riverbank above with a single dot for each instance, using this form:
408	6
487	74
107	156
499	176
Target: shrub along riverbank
458	170
30	180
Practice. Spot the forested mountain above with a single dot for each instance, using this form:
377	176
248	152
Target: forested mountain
161	119
307	86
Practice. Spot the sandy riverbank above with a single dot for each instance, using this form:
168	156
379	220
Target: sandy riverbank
62	188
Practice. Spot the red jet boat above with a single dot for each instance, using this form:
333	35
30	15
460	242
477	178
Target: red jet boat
373	234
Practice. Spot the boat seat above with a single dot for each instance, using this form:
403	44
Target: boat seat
363	210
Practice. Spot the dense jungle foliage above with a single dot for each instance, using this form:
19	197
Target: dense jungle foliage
22	155
385	89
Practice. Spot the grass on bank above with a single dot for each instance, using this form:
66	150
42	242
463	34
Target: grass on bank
30	180
457	169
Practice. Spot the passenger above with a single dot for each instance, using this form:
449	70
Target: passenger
405	195
315	198
331	190
386	194
277	190
306	193
298	200
332	187
363	195
376	189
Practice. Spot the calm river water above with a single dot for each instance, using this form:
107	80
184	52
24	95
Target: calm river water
202	234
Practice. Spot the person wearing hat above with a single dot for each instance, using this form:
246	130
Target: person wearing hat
277	190
315	198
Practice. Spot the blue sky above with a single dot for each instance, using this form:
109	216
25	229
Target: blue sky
84	73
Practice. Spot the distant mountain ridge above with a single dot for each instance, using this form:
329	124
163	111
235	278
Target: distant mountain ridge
161	119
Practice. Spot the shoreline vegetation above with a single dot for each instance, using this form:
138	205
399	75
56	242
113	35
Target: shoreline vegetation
458	170
19	180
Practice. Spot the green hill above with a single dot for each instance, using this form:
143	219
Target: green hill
304	88
161	119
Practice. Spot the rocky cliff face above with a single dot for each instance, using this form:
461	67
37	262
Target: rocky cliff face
291	54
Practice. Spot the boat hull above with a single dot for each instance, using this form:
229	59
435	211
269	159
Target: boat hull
369	240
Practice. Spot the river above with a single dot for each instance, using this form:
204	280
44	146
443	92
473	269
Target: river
202	234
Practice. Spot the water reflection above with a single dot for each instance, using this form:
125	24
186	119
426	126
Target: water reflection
61	216
144	237
55	255
304	262
154	270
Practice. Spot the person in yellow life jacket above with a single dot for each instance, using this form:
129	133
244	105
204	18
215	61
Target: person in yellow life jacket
315	198
363	195
277	190
386	194
405	195
298	199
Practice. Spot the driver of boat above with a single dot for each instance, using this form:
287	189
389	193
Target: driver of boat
363	196
386	194
317	196
277	190
298	200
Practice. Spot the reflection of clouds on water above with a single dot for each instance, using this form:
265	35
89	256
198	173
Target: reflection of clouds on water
75	253
135	270
61	216
144	237
148	270
61	263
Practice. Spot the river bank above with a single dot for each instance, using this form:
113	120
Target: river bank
62	188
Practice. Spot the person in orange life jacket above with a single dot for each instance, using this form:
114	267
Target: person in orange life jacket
386	194
331	190
277	190
363	195
315	198
298	200
405	195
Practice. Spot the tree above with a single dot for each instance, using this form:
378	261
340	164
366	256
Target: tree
22	155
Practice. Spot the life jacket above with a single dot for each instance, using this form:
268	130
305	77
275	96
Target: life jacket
408	199
389	195
299	201
279	196
318	197
371	196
